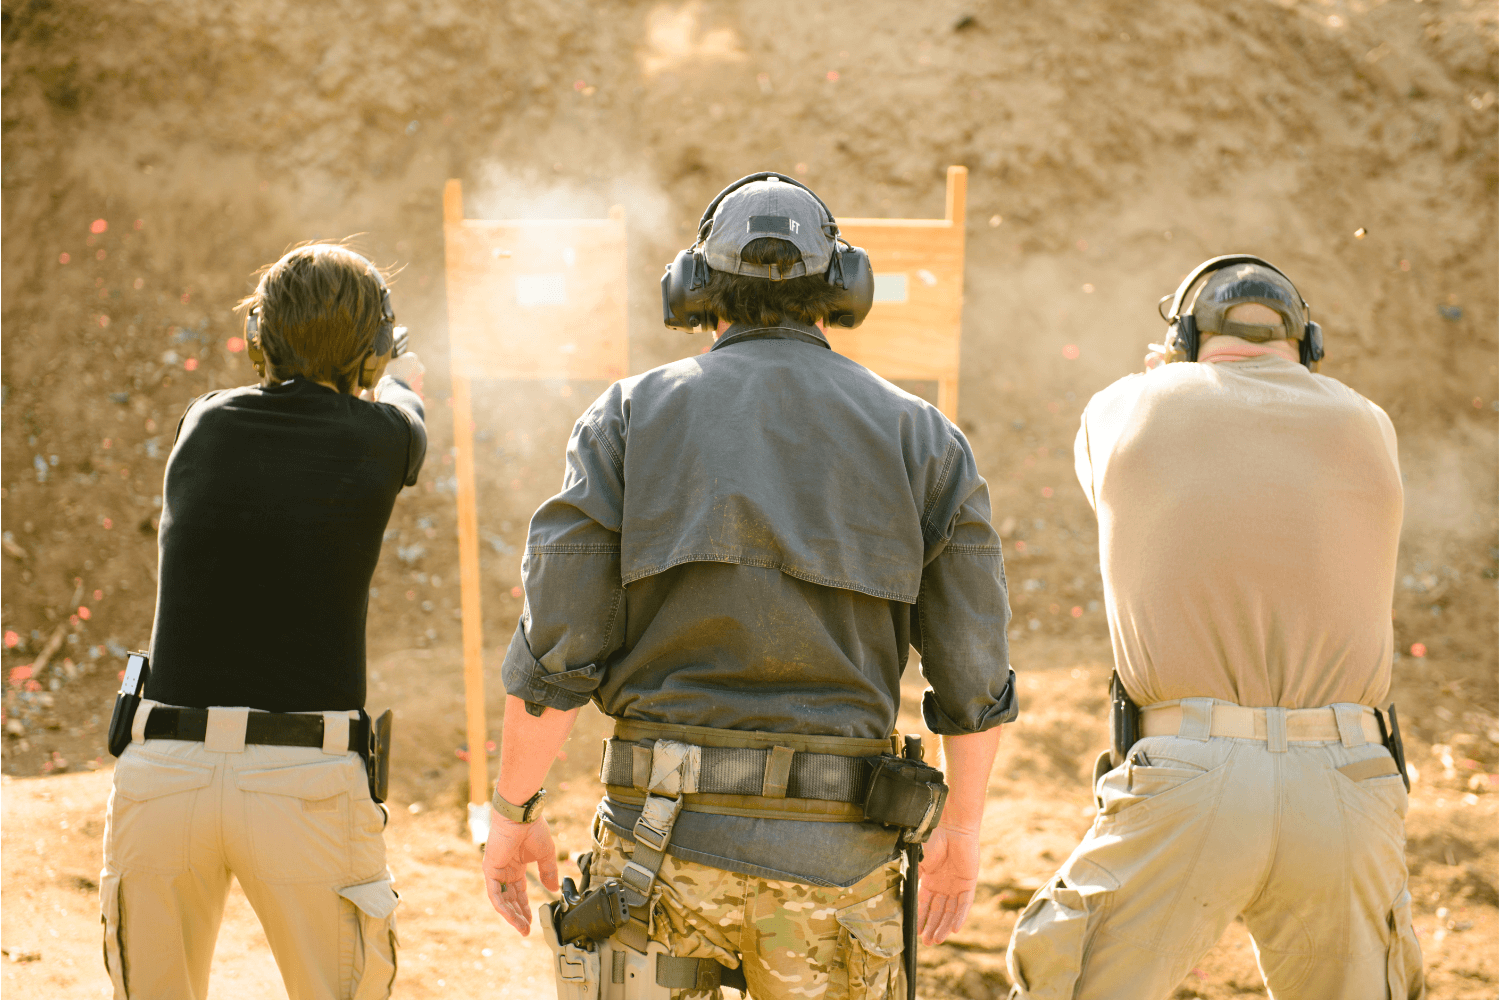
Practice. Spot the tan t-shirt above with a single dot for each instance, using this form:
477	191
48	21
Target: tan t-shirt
1249	513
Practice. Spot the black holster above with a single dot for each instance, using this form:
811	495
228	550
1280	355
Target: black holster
1390	738
377	753
132	689
1124	721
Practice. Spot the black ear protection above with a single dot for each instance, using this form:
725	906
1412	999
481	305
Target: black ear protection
684	300
389	338
1182	335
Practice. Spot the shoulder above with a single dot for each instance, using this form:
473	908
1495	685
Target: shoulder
211	403
221	398
1123	394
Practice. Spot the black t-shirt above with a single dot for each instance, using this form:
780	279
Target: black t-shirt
274	504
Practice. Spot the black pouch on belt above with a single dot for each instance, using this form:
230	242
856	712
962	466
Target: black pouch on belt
907	793
137	670
377	755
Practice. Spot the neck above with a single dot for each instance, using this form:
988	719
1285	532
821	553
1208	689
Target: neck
1226	348
724	325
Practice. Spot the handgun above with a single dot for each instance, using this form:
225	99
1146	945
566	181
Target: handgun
593	916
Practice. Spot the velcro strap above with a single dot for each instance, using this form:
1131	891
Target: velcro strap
1375	767
640	764
744	771
698	974
778	770
283	729
674	768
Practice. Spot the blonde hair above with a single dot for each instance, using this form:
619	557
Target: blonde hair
319	309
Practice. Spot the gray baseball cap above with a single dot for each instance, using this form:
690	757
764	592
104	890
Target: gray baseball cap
770	207
1220	291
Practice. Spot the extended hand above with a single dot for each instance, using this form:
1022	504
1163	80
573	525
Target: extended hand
511	847
950	871
408	368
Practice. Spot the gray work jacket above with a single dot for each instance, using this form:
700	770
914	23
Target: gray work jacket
753	538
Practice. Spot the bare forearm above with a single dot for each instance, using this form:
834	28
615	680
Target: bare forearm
966	766
528	745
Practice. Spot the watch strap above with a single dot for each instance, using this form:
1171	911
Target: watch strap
528	812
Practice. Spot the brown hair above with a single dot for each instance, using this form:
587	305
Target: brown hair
736	298
320	308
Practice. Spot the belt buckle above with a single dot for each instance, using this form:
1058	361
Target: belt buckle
658	815
637	877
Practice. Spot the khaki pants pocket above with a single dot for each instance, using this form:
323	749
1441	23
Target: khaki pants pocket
149	818
111	915
371	974
873	947
1046	951
1164	782
1403	963
298	819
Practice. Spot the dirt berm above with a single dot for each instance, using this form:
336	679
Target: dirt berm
156	153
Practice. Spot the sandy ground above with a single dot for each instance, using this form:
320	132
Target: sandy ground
453	944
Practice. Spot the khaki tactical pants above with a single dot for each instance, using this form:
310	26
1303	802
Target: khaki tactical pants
297	828
1213	828
794	940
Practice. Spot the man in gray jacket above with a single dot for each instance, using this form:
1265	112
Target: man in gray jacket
746	546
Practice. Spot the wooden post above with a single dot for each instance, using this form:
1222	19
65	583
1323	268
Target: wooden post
468	555
914	329
955	201
528	299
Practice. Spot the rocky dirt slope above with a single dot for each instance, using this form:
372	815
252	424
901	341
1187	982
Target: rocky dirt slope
156	153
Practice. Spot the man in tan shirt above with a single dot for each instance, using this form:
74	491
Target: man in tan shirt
1249	513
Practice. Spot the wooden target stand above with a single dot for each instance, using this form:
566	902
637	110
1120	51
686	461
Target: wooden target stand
913	329
528	299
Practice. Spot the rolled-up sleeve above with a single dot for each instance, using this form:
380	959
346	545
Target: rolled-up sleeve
962	610
574	613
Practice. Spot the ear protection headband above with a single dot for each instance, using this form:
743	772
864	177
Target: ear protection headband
389	338
684	298
1182	335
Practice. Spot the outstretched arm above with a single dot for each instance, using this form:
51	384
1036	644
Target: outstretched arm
528	745
950	860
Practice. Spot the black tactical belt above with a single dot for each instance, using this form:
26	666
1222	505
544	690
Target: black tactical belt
271	728
774	773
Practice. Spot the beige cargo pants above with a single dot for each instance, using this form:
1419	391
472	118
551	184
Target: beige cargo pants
795	941
297	828
1213	828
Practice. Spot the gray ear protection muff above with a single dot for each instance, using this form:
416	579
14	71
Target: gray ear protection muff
684	299
1182	336
389	338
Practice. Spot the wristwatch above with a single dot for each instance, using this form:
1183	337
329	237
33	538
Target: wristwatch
530	812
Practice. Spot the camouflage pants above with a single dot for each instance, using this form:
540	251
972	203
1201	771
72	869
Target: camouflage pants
793	940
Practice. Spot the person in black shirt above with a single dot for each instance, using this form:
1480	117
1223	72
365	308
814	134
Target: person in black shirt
245	754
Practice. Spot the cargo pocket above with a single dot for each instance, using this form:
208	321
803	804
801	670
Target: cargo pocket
1047	947
873	949
150	813
298	819
1403	960
371	951
112	916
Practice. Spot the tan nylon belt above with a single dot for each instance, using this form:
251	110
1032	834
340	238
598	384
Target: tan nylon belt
1237	722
